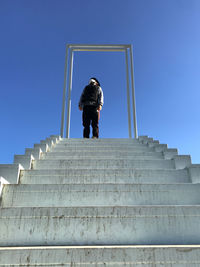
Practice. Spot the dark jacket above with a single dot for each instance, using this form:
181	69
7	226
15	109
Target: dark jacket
92	95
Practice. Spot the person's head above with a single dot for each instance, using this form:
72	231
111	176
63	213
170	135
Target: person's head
94	81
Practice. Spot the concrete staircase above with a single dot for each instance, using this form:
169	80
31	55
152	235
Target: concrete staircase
105	202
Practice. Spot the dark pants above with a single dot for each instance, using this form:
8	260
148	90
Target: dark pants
90	116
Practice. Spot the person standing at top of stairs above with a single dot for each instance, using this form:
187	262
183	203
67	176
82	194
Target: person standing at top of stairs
91	102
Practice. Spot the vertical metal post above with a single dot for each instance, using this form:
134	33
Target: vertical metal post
133	93
69	93
64	94
128	95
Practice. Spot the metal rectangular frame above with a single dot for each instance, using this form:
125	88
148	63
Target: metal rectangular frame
70	49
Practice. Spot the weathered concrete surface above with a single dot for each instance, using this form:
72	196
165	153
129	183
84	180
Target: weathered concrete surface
169	153
130	192
182	161
99	141
101	154
55	138
2	183
176	256
93	146
48	141
194	173
103	163
108	175
100	195
11	172
24	160
43	147
100	225
36	152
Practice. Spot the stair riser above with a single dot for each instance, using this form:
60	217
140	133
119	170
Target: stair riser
90	164
133	173
85	179
100	144
104	175
95	155
101	149
63	230
113	198
102	256
100	140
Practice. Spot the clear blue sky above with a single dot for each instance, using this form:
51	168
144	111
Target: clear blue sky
166	40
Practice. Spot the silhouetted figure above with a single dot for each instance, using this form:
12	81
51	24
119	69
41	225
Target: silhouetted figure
91	103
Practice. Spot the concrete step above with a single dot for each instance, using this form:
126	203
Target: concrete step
176	256
99	195
116	140
103	163
84	176
91	142
98	144
102	154
104	150
128	225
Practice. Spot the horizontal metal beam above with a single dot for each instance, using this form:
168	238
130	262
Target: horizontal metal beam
99	49
98	46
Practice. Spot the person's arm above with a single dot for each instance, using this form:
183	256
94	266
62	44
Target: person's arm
100	99
80	104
